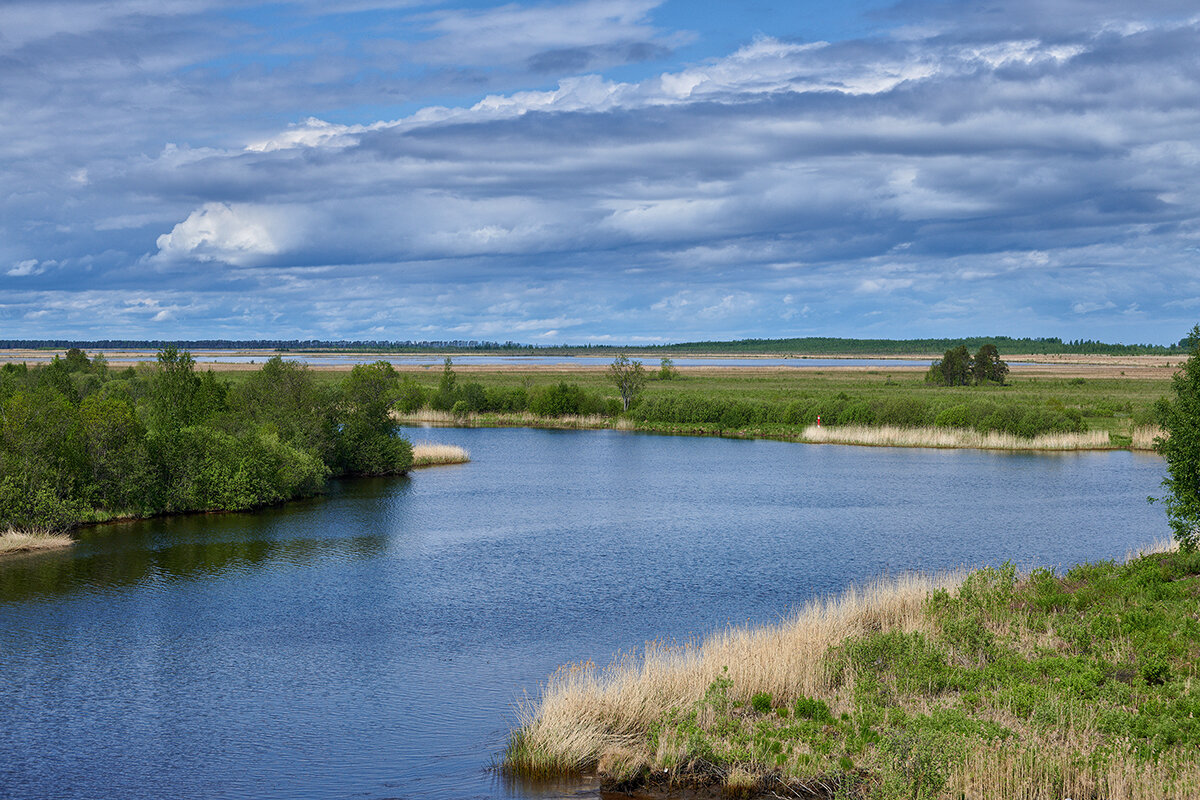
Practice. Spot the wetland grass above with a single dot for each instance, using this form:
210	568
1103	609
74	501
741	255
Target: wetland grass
986	685
890	436
429	454
26	541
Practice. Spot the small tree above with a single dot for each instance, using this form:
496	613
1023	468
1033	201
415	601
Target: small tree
630	378
666	370
954	369
1180	446
987	366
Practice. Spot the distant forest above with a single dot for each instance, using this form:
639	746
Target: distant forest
810	346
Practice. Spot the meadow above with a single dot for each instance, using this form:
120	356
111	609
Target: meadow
1084	407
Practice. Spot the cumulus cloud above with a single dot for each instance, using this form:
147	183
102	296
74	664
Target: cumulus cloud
240	235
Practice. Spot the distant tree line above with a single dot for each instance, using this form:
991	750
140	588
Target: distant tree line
80	442
810	346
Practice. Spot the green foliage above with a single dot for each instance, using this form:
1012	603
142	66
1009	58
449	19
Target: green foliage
629	377
79	443
954	368
987	367
667	371
1179	417
761	702
369	444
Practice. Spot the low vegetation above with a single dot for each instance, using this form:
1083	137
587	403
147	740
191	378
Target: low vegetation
428	454
82	443
888	436
985	685
15	541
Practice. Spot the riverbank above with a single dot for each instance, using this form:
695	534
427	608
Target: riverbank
16	541
870	436
986	685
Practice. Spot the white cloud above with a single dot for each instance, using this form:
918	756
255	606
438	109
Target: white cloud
23	269
234	234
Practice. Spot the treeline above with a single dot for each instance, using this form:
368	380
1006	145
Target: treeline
80	442
841	409
810	346
813	346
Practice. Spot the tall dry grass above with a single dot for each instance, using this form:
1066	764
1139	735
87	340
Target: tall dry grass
15	541
888	436
1144	436
428	454
587	716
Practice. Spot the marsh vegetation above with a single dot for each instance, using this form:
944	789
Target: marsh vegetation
992	684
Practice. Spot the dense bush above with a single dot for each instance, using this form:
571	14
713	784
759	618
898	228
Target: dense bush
561	399
841	409
79	443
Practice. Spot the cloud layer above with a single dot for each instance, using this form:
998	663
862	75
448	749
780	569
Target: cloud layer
952	173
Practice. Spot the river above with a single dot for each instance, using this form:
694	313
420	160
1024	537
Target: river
371	643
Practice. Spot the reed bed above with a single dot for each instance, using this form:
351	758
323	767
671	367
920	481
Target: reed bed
587	716
428	454
888	436
1144	436
15	541
964	685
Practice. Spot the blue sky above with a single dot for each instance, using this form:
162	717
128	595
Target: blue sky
599	170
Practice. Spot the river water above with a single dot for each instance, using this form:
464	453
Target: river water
371	643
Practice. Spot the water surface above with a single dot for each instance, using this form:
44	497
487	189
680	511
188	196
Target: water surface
370	644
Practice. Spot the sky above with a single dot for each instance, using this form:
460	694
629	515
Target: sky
599	171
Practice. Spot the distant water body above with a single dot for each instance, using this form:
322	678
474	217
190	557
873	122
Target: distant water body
371	643
535	361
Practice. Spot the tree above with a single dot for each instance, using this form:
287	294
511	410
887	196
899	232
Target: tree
1179	417
178	397
630	378
987	366
954	369
369	443
666	370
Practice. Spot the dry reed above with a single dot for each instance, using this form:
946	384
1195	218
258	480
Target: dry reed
1144	436
586	716
888	436
15	541
428	454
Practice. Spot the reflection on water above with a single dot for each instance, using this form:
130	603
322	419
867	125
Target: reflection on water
371	643
173	548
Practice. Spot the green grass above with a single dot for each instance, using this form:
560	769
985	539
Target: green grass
1113	405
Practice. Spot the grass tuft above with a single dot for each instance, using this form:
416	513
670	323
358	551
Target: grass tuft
428	454
15	541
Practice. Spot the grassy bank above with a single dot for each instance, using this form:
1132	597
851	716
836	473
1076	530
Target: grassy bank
781	403
881	436
16	541
429	454
983	685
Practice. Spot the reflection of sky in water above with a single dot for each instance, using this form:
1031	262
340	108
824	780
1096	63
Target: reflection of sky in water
371	643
